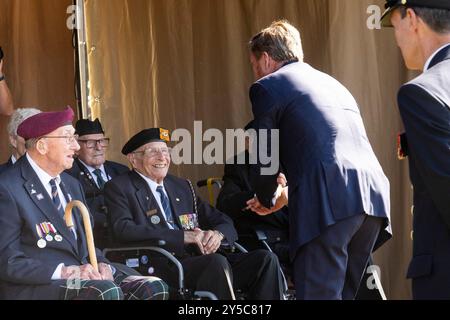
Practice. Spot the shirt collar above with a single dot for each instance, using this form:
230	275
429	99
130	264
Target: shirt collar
427	64
13	159
152	184
92	169
43	176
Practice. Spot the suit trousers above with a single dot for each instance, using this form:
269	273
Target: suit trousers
256	274
331	266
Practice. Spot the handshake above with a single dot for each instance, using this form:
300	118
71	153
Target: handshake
281	199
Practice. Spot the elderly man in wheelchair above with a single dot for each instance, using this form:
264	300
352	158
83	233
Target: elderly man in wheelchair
147	204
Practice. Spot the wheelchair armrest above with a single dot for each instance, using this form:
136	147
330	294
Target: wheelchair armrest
260	234
231	248
159	250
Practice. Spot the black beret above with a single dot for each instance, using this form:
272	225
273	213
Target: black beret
392	4
144	137
85	126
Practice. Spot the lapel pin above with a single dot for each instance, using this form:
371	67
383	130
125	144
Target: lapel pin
177	199
155	219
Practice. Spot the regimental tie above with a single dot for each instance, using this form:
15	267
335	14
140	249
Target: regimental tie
57	203
55	197
166	207
100	181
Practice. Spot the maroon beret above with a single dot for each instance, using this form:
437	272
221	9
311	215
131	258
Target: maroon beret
43	123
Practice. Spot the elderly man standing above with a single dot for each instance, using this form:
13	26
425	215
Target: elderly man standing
40	257
147	204
422	31
93	171
16	142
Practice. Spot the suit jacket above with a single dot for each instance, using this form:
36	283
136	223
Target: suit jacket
94	196
425	109
24	205
332	171
131	206
5	166
235	193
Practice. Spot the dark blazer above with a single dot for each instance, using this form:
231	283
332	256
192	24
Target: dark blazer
332	171
235	193
24	203
94	196
131	206
425	109
5	166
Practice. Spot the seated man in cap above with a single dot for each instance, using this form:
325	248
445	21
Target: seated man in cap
17	143
93	171
147	204
40	257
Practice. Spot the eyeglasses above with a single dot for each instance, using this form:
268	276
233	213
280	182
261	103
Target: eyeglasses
91	144
154	152
69	139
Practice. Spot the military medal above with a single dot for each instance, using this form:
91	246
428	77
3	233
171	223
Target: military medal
189	221
58	238
41	242
47	230
155	219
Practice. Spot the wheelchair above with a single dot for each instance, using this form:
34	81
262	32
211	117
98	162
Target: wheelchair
259	237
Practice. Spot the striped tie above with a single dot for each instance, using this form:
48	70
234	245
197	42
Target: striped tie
55	197
100	181
166	207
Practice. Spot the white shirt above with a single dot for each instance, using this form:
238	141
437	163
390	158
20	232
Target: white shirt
153	185
13	159
45	178
427	64
105	177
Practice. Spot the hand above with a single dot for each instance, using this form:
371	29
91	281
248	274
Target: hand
84	272
211	241
105	271
256	206
194	237
281	196
281	180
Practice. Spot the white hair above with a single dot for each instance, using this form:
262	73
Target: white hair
19	116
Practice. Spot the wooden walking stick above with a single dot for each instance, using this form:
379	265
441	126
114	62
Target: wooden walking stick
87	226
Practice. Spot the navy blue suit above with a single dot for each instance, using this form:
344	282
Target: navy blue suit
425	109
5	166
94	196
26	269
332	171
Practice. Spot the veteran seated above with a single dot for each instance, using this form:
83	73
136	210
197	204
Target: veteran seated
93	170
148	204
40	257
